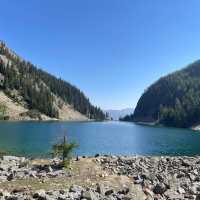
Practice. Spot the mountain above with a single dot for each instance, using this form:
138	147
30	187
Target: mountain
173	100
116	114
29	92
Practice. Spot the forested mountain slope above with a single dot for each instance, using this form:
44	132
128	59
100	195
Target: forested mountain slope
174	100
40	92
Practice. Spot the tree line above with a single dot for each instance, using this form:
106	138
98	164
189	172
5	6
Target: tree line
173	100
39	88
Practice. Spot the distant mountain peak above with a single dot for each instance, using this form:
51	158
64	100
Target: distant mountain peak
115	114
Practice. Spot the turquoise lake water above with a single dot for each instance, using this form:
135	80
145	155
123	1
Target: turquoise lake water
119	138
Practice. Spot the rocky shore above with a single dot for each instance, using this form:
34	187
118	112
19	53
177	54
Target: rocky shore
159	177
101	177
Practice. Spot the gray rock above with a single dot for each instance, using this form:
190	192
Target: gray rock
13	159
138	180
61	197
10	177
48	169
40	194
181	190
100	189
160	188
76	189
109	192
89	195
12	198
124	191
4	193
32	174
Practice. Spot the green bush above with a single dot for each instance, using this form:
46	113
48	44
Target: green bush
3	112
63	150
3	153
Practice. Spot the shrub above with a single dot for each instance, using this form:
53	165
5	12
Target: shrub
63	150
3	112
3	153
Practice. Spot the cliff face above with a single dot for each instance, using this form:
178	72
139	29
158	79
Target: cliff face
29	92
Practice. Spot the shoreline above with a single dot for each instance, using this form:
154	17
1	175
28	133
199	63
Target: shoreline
195	128
48	120
101	177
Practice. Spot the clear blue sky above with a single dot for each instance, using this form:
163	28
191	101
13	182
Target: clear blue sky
111	49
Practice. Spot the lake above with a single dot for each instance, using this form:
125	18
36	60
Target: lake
119	138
